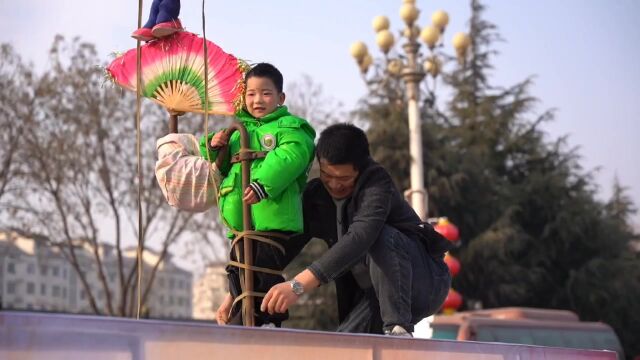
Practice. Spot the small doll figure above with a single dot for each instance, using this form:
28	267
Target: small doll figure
163	21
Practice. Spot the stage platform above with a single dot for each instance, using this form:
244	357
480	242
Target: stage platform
34	336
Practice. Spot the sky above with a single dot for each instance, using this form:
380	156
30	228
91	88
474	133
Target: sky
583	54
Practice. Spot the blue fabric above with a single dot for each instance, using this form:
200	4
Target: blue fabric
408	285
163	11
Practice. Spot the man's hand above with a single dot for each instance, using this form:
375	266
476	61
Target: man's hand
278	299
219	140
250	196
222	314
281	296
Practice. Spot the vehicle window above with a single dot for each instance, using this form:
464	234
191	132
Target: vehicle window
445	332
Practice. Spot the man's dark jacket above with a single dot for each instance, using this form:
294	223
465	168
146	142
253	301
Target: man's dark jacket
374	203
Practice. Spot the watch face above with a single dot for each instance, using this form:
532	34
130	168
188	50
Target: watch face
297	288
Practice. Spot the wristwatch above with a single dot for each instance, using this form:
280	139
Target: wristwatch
296	287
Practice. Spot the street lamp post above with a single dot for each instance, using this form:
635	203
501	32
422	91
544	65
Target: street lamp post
412	70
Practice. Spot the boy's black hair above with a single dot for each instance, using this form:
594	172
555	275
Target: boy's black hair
266	70
341	144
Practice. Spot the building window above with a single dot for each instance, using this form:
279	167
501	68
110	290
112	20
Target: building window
64	273
172	284
56	291
55	271
11	287
31	268
43	289
31	288
11	268
44	269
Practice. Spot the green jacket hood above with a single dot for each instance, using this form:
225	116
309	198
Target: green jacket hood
244	116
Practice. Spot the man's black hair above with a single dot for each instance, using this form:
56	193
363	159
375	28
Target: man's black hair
341	144
266	70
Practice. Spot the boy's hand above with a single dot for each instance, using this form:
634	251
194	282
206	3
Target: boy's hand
250	196
219	140
222	314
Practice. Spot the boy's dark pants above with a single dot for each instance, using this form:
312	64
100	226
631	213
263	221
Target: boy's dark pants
162	11
267	256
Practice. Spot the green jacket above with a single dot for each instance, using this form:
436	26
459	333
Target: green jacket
283	172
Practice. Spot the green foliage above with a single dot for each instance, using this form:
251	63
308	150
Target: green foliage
533	233
607	290
387	125
620	207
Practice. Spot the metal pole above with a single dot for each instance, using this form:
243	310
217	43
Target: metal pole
248	310
412	75
173	123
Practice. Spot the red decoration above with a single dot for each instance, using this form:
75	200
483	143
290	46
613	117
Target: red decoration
453	264
452	302
447	229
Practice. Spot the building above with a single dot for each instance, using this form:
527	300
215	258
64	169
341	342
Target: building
34	275
209	291
170	296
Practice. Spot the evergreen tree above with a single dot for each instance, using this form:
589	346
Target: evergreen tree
620	207
384	112
537	232
533	232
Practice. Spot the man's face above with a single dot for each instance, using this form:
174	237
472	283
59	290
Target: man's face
339	180
261	96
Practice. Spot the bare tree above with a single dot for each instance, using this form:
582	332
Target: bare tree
16	112
306	99
80	167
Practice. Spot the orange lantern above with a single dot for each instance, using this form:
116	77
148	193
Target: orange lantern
453	264
452	302
447	229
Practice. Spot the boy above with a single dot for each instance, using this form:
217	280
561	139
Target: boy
163	21
277	182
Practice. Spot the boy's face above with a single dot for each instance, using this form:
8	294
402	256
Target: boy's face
262	97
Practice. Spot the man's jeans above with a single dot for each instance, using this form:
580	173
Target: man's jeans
408	285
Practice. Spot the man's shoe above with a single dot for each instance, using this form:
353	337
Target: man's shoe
167	28
269	325
398	331
143	34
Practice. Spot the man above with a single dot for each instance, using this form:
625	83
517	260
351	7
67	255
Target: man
388	266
